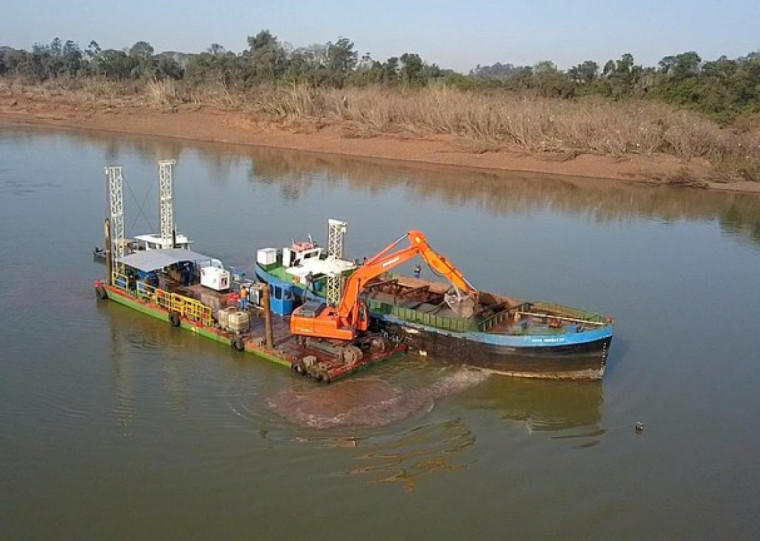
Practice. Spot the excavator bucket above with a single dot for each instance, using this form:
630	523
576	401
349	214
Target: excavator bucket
464	307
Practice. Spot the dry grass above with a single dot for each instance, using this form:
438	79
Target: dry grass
161	94
497	121
481	121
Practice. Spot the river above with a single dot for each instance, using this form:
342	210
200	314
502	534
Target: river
117	426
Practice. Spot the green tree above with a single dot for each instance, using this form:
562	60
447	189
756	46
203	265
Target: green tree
549	81
145	65
216	66
411	69
341	60
681	66
367	72
620	77
267	59
17	62
117	64
71	59
584	73
390	71
91	59
168	67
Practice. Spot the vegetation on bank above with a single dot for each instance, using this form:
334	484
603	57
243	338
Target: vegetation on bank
684	107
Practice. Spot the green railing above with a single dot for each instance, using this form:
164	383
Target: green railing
492	321
416	316
570	313
543	310
173	302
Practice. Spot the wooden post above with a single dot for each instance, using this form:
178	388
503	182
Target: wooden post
267	317
108	252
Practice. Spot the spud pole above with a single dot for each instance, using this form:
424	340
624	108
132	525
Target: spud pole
267	317
108	252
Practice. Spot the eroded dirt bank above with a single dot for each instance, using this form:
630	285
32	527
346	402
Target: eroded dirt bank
205	124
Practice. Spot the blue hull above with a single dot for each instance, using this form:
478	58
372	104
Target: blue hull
581	355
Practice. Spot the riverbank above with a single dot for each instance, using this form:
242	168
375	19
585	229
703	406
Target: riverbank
228	125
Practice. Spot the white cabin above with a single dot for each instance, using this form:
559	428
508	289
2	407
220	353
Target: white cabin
156	242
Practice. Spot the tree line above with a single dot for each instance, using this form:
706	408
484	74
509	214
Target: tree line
723	88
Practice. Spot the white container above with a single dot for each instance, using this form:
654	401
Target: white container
288	257
215	278
224	317
238	321
266	256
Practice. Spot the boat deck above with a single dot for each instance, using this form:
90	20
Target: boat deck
323	362
421	301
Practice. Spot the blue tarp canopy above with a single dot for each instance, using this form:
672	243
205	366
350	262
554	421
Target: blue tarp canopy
150	260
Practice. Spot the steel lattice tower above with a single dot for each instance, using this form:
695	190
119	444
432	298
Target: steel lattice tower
335	232
114	176
166	207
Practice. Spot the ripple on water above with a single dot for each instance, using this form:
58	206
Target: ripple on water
408	457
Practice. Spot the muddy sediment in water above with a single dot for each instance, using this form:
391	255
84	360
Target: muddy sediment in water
366	402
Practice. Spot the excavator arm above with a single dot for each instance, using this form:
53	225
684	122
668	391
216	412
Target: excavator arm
442	266
351	315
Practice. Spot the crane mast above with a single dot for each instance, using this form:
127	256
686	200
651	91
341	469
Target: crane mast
115	180
336	231
166	205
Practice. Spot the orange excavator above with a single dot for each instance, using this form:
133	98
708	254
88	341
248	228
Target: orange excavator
350	318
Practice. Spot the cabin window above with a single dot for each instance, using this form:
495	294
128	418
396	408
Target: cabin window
278	293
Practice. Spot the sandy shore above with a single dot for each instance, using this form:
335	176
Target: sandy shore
204	124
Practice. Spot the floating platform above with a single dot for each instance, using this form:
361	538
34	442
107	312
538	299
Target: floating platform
178	306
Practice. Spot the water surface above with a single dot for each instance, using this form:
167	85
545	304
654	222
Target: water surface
117	426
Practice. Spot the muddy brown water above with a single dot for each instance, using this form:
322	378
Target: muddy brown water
117	426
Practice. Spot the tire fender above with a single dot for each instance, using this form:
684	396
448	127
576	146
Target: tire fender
237	344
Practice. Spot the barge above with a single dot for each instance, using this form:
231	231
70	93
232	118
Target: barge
194	292
505	335
219	316
502	334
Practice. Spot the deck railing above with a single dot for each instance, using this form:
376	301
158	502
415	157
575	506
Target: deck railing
544	311
492	321
574	315
415	316
187	307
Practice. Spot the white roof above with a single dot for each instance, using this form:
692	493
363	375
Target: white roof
158	239
150	260
329	267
